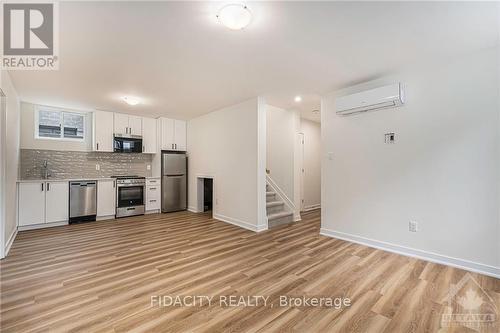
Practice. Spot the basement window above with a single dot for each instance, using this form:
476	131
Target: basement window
51	123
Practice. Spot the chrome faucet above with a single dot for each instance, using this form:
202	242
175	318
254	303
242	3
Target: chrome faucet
45	170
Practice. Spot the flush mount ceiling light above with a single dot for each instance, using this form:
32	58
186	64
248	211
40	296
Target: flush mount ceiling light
131	100
297	99
235	16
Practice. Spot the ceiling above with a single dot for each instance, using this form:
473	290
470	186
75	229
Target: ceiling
182	63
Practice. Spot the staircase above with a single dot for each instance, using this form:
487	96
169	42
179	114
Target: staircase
277	213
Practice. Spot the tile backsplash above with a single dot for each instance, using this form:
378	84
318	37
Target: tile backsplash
80	164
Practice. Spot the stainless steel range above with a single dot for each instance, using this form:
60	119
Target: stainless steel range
130	191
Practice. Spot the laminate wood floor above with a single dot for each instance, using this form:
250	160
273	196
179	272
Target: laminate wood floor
99	277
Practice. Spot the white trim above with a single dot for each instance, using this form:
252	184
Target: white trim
200	204
312	207
41	225
415	253
3	140
239	223
10	242
193	209
152	211
105	217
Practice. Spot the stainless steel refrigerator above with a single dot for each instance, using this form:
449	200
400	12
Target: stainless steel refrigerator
173	182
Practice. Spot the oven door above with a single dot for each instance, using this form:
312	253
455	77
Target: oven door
127	145
130	195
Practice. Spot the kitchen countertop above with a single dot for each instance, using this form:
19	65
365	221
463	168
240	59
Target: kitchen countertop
70	179
61	179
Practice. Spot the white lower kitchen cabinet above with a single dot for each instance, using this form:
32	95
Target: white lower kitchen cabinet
31	203
153	194
56	202
106	198
43	203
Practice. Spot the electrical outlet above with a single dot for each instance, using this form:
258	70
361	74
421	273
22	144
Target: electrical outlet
148	167
389	138
413	226
97	167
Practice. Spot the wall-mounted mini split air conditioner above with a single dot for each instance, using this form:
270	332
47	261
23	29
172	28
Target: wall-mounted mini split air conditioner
375	99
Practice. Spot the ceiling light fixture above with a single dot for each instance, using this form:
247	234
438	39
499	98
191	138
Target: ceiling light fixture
235	16
131	100
298	99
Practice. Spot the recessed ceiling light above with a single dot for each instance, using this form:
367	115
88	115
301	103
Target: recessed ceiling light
235	16
298	99
131	100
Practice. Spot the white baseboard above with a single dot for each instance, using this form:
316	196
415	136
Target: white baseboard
41	225
240	223
415	253
9	243
106	217
312	207
192	209
152	211
297	218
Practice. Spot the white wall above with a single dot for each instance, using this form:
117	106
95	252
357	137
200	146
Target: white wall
312	163
443	170
280	148
28	140
224	144
11	158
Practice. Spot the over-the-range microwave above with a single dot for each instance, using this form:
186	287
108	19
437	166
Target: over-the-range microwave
127	144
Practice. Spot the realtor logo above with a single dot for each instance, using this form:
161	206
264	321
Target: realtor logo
468	305
30	32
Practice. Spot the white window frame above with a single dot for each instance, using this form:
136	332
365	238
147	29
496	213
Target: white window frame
39	108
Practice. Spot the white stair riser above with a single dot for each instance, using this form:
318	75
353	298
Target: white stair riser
275	209
270	197
280	221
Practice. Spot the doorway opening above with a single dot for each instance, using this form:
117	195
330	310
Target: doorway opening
208	185
205	195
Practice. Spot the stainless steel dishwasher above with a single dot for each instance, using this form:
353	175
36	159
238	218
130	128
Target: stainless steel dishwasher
82	201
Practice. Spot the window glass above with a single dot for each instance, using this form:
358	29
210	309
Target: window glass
73	125
49	124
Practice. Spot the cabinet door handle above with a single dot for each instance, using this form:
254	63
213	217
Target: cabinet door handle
152	200
114	184
98	146
152	188
48	186
42	187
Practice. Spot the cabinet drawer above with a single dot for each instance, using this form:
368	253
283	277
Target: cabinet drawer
153	182
153	191
152	203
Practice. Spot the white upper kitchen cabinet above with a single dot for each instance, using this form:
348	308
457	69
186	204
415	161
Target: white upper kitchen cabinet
31	203
127	125
173	134
167	134
180	135
56	202
106	197
121	124
149	137
135	125
102	131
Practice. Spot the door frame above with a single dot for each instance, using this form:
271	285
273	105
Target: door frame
200	204
3	139
301	168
